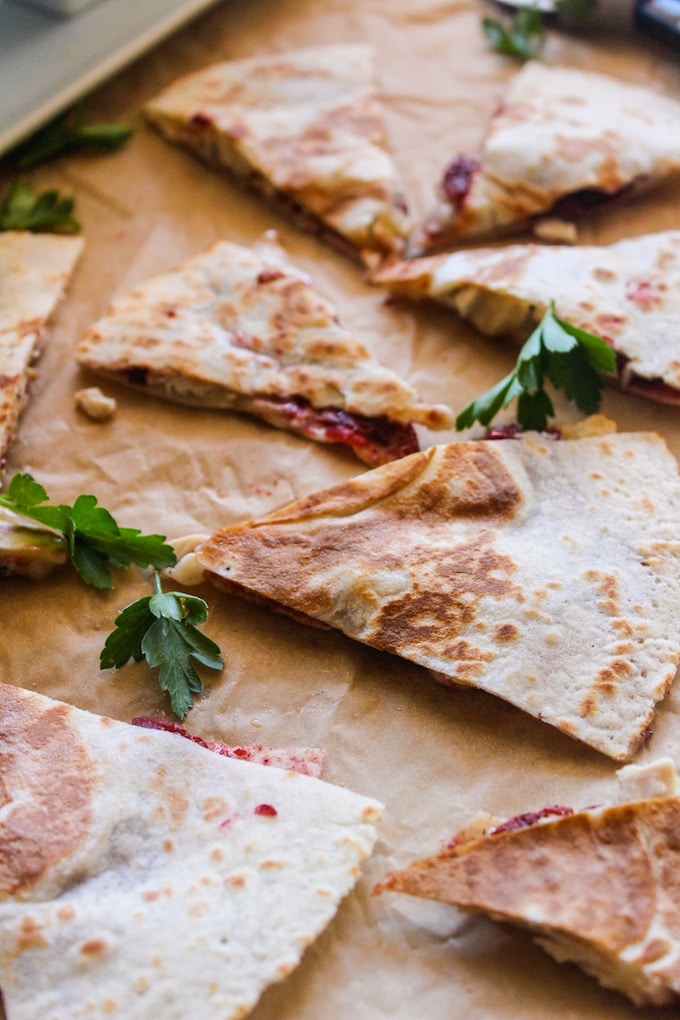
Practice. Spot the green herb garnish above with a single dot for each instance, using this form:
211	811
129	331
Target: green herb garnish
570	358
161	628
46	212
69	132
575	10
95	541
522	37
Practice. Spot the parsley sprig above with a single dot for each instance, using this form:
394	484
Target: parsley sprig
523	36
575	10
95	542
161	628
68	133
570	358
42	213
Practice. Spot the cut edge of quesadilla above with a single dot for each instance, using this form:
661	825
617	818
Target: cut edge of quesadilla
231	330
562	143
594	887
147	876
309	761
626	293
35	270
324	163
28	548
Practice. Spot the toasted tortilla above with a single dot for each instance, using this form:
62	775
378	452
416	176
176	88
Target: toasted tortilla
533	569
230	329
561	142
597	887
144	876
34	272
628	293
305	129
29	548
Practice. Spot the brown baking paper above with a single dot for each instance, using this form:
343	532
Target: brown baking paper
433	755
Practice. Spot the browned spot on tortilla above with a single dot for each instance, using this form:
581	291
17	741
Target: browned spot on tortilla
427	616
655	949
608	679
603	146
214	808
93	947
293	556
198	909
602	273
173	803
30	935
465	671
610	589
149	895
509	267
237	881
66	913
589	704
40	756
295	156
506	632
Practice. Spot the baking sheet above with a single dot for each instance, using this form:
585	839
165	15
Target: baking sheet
47	62
433	755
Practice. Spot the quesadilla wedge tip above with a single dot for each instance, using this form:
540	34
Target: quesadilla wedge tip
562	142
595	887
304	129
627	293
230	329
142	875
531	568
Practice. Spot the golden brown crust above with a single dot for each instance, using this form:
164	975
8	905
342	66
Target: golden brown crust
305	129
34	271
493	564
600	887
46	799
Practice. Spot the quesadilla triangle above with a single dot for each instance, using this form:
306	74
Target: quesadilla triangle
34	272
561	142
29	548
144	876
627	293
597	887
304	129
531	568
231	330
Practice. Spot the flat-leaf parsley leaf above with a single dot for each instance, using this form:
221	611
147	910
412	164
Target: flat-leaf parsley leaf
161	628
522	37
44	213
70	132
569	357
95	541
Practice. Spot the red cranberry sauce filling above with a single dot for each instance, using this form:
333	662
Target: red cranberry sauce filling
377	440
457	180
523	821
